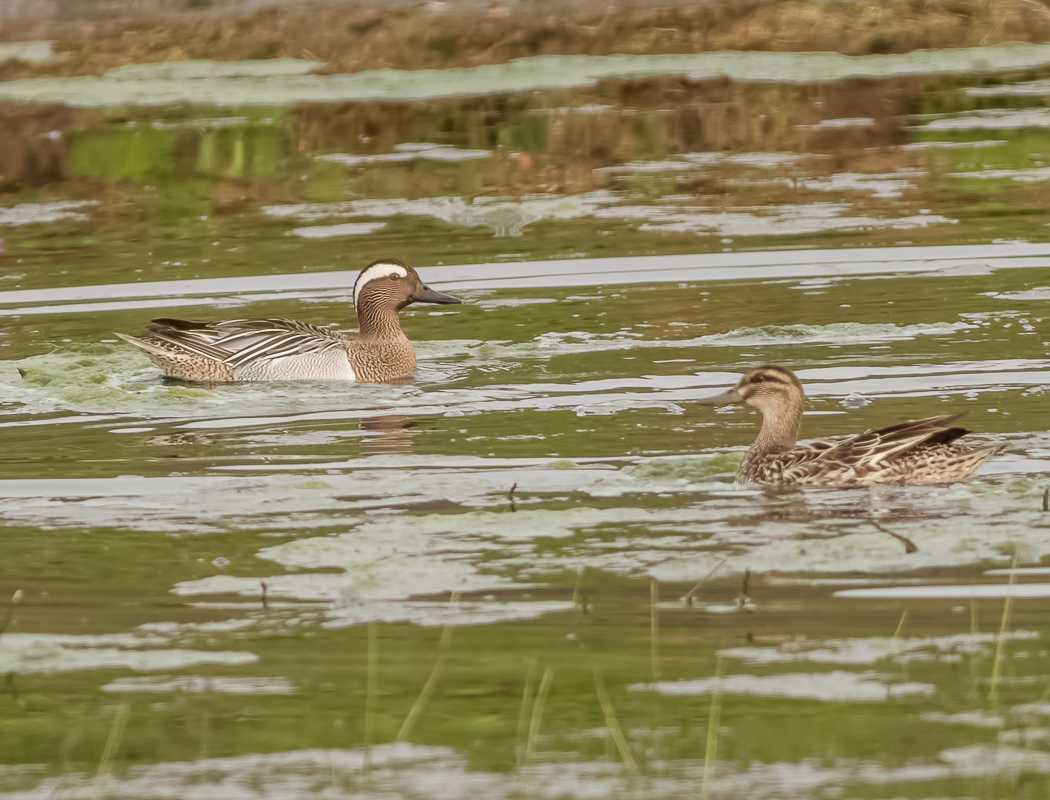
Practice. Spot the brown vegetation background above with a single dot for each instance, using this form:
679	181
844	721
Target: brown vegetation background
355	36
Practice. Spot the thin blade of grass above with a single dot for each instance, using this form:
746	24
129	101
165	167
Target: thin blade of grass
370	689
714	716
537	714
612	724
116	733
526	699
428	687
688	599
1000	645
16	598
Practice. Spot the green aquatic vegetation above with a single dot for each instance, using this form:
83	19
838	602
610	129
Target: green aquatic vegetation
684	469
314	485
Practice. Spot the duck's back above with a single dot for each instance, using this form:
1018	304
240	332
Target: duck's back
246	350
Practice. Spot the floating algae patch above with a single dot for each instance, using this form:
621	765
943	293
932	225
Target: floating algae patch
90	378
282	82
660	472
102	378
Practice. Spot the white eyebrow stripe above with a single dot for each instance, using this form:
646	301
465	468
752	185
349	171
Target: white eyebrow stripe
375	272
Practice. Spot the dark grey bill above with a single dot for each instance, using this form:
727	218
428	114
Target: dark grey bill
732	396
428	295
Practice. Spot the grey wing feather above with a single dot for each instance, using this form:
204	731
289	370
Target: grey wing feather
238	342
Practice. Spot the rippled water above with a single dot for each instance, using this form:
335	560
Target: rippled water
529	572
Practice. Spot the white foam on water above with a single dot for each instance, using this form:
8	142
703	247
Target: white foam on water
889	186
842	122
1019	591
973	719
980	760
409	151
504	217
1025	88
1033	175
828	687
203	70
1019	571
283	81
207	123
773	220
870	650
33	52
49	654
949	145
390	561
420	772
39	213
1041	708
694	161
199	684
992	119
1025	737
332	231
1036	293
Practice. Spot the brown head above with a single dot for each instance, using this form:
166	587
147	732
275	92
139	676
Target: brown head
778	394
767	388
383	289
392	284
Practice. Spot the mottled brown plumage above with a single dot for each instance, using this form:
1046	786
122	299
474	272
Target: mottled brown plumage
284	349
922	451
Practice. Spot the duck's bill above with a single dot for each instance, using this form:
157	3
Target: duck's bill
428	295
732	396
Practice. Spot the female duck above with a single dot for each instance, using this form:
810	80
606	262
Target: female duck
286	349
911	452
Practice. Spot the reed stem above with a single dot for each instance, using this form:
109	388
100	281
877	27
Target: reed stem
428	687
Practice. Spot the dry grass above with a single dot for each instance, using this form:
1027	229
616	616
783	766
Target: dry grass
352	37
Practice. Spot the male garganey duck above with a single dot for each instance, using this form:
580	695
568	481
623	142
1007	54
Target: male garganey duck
287	349
910	452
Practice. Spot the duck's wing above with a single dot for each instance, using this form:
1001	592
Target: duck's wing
873	449
237	342
847	458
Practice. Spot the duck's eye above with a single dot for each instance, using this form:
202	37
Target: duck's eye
394	276
758	379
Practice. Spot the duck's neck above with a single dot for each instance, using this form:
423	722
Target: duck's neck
379	322
780	429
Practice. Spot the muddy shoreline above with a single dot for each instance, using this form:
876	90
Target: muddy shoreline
353	37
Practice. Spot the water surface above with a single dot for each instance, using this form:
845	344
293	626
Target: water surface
528	572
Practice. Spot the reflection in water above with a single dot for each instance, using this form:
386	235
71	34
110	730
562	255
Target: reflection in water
388	435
